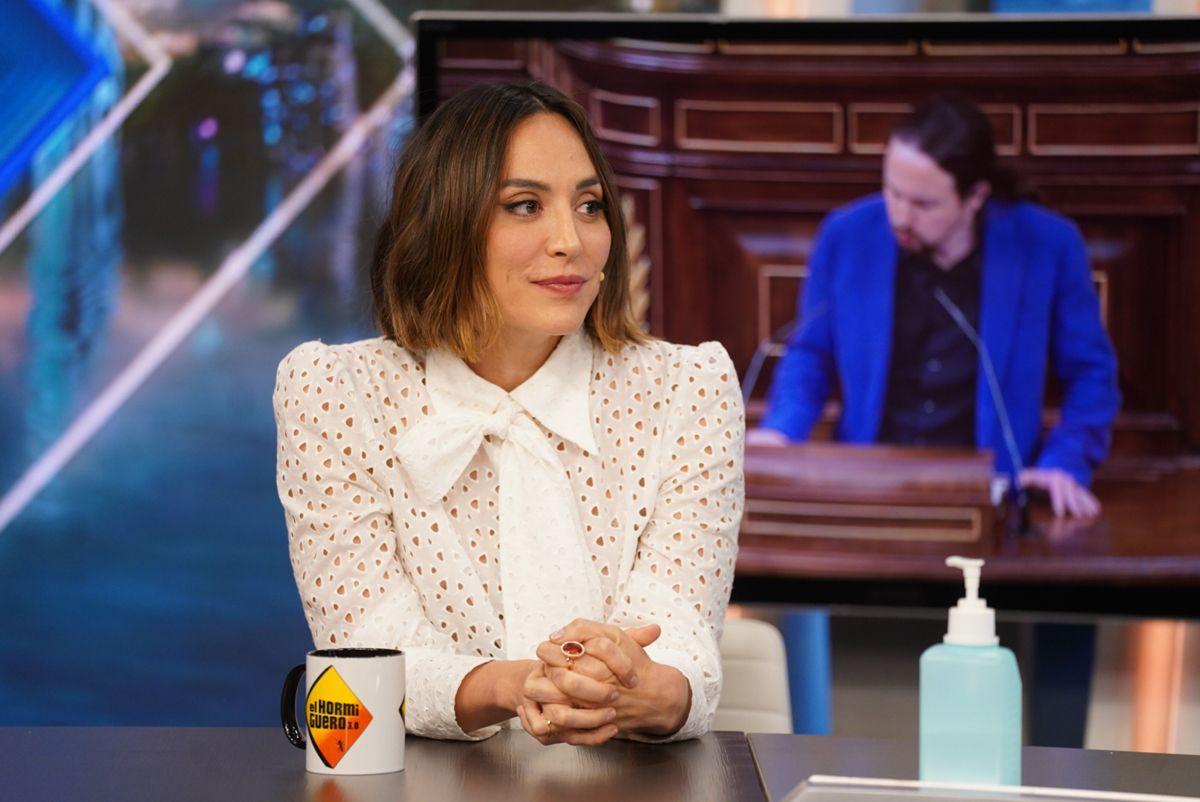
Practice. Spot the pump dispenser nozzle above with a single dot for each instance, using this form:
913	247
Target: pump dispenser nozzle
972	622
970	568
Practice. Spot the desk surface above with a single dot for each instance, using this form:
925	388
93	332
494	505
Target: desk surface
231	764
259	765
784	761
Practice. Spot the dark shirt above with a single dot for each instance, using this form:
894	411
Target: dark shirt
931	383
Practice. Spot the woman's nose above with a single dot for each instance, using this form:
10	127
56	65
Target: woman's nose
564	239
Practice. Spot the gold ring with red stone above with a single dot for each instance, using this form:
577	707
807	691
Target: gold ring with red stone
572	650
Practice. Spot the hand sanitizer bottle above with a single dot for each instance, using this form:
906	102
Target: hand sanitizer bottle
970	728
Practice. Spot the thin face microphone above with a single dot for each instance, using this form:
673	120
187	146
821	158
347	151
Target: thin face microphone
1017	490
785	332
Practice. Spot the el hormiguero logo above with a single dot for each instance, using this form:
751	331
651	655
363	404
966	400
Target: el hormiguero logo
336	717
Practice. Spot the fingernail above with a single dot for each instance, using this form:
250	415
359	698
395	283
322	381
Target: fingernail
556	635
610	715
633	680
614	696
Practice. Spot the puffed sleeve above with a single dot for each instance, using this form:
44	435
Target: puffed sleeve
342	538
683	569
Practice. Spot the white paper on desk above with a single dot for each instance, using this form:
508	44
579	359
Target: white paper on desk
829	788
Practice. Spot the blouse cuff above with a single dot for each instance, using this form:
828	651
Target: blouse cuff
432	681
699	717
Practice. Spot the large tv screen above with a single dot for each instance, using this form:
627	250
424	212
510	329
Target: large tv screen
734	141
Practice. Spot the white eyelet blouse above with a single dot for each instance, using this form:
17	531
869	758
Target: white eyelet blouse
429	510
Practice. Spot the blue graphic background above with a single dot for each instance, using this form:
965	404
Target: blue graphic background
46	72
149	583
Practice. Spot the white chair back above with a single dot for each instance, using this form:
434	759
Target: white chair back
755	696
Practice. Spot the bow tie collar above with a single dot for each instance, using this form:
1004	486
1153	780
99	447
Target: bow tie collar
537	507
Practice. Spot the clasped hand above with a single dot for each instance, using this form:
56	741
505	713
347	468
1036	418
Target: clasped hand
614	688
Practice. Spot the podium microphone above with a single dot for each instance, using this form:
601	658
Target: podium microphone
784	332
1016	493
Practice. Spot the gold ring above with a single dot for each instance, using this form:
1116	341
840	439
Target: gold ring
549	727
572	650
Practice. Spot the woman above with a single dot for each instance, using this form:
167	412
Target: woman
513	466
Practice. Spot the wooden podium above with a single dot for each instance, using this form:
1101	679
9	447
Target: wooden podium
884	497
825	511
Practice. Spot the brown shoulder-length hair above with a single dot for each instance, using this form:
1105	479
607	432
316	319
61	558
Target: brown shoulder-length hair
428	285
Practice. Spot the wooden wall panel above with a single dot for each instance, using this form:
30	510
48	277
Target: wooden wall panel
468	62
631	119
483	54
999	50
1114	129
779	287
758	127
645	194
792	49
1132	257
868	125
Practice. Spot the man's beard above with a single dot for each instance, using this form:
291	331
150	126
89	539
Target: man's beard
918	248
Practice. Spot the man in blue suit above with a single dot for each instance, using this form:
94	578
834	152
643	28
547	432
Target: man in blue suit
951	235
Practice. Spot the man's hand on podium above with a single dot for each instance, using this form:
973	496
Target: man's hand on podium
1067	496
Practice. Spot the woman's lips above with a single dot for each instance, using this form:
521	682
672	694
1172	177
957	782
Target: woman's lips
562	285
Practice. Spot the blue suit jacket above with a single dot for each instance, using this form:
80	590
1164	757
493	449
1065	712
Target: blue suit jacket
1038	304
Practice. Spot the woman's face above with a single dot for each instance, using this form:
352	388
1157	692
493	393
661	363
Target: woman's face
548	238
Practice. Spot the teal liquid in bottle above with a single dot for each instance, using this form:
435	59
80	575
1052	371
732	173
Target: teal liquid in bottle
970	728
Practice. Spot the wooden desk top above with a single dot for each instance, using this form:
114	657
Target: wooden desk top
784	761
258	764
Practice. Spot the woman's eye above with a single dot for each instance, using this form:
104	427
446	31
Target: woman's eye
592	208
524	208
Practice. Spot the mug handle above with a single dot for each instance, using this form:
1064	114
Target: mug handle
287	707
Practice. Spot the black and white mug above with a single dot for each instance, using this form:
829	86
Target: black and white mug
353	709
